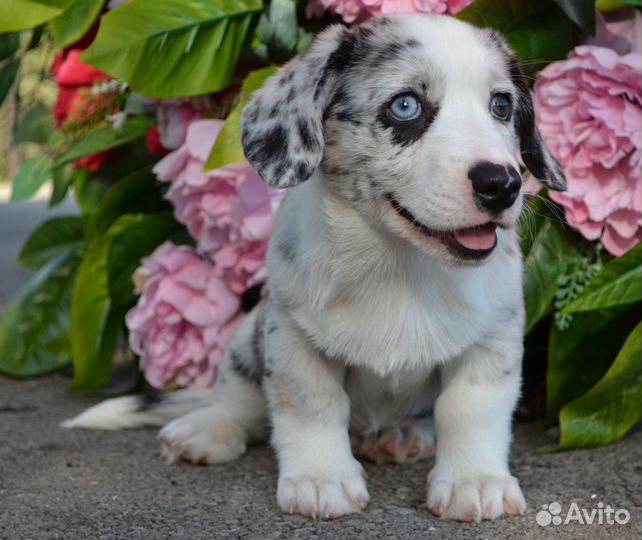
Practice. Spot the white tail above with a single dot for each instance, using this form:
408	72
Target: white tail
136	411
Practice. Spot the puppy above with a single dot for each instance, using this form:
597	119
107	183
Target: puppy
394	300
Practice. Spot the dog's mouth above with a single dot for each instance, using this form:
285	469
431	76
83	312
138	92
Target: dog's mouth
473	243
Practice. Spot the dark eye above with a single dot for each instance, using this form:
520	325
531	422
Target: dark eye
500	107
405	107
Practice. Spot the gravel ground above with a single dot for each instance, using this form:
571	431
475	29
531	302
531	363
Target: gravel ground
114	485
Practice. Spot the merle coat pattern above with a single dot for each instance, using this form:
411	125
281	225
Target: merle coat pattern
394	308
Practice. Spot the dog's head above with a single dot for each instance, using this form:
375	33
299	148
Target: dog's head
414	119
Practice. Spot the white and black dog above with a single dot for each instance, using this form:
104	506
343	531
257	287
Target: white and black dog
395	278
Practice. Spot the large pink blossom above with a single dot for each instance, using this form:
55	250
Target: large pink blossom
229	211
361	10
184	319
589	110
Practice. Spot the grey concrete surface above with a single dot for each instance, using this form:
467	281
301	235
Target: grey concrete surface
57	484
115	485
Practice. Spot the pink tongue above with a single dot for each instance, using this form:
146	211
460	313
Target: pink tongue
477	238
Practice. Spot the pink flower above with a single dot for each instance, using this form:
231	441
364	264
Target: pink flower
229	211
362	10
174	115
184	319
589	110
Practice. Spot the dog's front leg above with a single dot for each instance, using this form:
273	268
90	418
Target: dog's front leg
470	480
318	476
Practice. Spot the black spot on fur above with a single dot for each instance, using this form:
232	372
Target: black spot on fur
304	170
406	133
308	139
267	147
250	369
251	297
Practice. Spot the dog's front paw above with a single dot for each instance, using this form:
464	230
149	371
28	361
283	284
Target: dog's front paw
326	494
474	498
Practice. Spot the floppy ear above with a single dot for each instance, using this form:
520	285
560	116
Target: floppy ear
282	125
536	156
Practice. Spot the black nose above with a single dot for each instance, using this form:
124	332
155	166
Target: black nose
495	186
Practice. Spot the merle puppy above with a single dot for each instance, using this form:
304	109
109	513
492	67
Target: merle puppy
394	300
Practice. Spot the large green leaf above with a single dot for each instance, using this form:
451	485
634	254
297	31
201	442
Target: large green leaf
130	246
34	330
35	125
619	282
580	355
21	14
228	149
99	299
174	48
538	30
75	22
137	192
106	138
8	74
581	12
543	265
612	407
55	236
32	174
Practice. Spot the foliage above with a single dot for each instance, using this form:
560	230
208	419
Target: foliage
584	301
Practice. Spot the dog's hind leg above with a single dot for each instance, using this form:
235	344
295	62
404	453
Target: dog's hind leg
400	444
237	413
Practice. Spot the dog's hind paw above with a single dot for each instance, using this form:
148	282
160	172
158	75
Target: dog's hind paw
202	437
395	445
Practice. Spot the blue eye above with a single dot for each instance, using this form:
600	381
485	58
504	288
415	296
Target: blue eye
405	107
500	107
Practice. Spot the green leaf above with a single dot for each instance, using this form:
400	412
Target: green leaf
33	173
102	291
93	336
130	246
137	192
106	138
543	265
8	74
89	190
174	48
74	23
9	44
538	30
34	331
63	178
612	407
581	12
54	236
580	355
228	148
22	14
613	5
34	126
619	282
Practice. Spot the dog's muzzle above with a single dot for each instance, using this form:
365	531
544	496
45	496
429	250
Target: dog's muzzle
495	187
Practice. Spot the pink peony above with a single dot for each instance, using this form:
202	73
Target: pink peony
174	115
184	319
229	211
589	110
361	10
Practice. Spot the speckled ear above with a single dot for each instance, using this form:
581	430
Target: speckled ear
282	125
536	156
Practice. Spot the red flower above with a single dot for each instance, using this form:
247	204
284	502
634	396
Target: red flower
154	144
